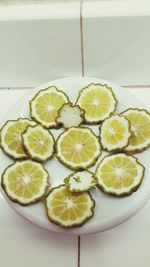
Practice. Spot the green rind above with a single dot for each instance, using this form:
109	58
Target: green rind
82	113
30	107
123	194
66	181
119	149
3	148
77	168
111	113
137	150
16	200
29	154
75	224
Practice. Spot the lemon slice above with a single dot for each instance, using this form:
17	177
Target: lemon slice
69	115
38	143
25	182
115	133
98	101
69	209
80	181
140	127
119	174
45	105
78	148
11	140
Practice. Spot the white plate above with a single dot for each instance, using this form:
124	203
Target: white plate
109	211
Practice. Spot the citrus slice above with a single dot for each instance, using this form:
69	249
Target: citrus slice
78	148
38	143
11	140
69	209
80	181
119	174
115	133
98	101
45	105
140	127
69	115
25	182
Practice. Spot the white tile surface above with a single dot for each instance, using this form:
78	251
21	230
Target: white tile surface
116	41
23	244
127	244
39	43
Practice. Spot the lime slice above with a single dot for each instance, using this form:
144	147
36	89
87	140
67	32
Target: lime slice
25	182
140	127
11	140
69	115
45	105
115	133
69	209
78	148
80	181
38	143
119	174
98	101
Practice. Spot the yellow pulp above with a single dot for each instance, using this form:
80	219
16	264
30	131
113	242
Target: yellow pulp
39	142
118	172
115	132
48	105
78	146
25	181
140	126
96	103
69	206
13	136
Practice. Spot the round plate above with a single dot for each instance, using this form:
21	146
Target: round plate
109	211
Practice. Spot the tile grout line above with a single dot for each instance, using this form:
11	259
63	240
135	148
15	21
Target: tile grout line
30	88
136	86
81	38
82	69
79	245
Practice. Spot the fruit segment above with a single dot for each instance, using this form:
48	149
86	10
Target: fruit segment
80	181
119	174
25	182
45	105
98	101
69	209
78	148
140	126
115	133
11	139
38	143
69	115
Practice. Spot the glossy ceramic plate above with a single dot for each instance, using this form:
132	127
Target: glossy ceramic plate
109	211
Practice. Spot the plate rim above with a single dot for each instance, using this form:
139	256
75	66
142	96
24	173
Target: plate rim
95	227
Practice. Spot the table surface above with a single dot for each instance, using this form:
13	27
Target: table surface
22	243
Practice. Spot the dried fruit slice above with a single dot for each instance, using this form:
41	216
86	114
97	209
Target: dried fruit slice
80	181
115	133
69	115
38	143
78	148
119	174
11	139
98	101
25	182
45	105
69	209
140	127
